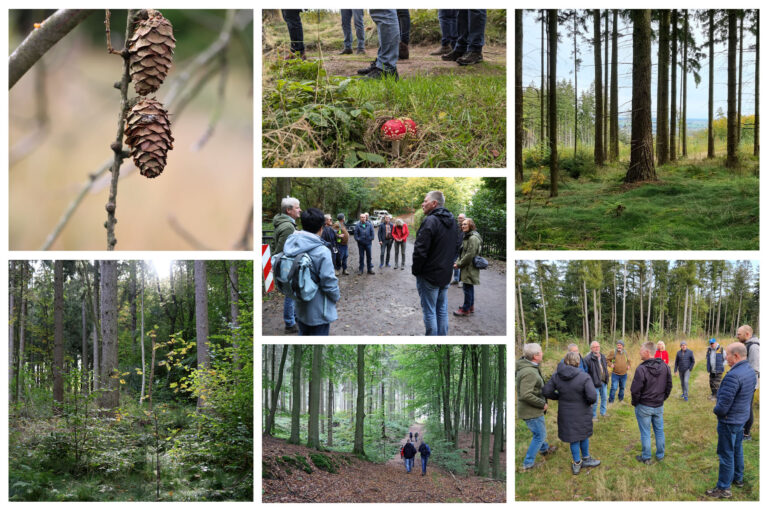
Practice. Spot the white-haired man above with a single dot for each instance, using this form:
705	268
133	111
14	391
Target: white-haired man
285	225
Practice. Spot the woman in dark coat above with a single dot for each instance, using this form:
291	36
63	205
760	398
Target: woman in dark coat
576	393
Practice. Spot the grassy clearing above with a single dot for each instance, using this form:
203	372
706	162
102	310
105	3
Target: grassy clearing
695	205
688	469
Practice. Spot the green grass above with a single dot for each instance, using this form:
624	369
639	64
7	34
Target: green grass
695	205
689	467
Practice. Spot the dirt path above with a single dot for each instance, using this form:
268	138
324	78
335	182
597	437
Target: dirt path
420	62
415	428
387	304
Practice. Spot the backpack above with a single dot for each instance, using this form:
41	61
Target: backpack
478	261
425	448
293	276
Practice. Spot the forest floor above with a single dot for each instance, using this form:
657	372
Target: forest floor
690	465
695	205
358	481
387	304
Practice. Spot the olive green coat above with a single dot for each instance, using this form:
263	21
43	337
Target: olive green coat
470	247
528	383
284	227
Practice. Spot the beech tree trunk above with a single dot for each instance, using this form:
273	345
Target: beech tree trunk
110	398
498	432
201	324
58	335
359	448
296	393
482	469
275	392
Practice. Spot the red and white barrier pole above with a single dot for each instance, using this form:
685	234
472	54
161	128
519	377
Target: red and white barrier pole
266	267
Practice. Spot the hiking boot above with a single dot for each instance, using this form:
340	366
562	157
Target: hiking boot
460	312
446	48
360	51
344	272
372	272
365	71
403	267
453	55
471	310
336	272
747	437
346	51
647	462
717	492
395	267
378	74
576	467
403	51
549	451
289	329
589	462
738	483
470	58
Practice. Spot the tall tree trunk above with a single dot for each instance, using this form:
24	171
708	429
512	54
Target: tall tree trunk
476	403
650	294
711	102
201	324
359	448
756	141
58	335
606	112
275	392
614	120
83	346
684	117
624	303
641	166
20	372
498	432
544	306
522	311
732	158
12	319
296	394
110	398
553	162
444	353
143	357
330	407
575	84
313	434
599	153
594	310
457	399
662	91
586	311
482	469
234	310
673	93
542	87
741	63
519	134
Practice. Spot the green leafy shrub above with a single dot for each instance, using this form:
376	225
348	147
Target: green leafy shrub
324	462
578	165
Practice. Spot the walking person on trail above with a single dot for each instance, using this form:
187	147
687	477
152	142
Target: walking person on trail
409	452
425	452
410	436
416	437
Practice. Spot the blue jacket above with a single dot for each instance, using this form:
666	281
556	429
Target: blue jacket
381	235
719	360
734	398
322	308
364	235
684	361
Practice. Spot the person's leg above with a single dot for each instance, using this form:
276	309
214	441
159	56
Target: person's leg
685	378
382	249
462	31
738	455
622	384
456	275
614	387
644	425
357	16
476	30
584	445
428	295
471	296
397	254
576	451
451	17
369	256
389	38
467	289
289	313
442	311
389	250
538	442
404	23
748	424
344	254
292	19
424	465
726	441
346	27
361	255
603	399
658	430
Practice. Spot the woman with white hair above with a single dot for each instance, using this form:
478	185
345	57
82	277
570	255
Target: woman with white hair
661	352
400	234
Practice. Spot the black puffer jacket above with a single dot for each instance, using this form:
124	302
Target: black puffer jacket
595	364
409	451
574	390
651	384
435	249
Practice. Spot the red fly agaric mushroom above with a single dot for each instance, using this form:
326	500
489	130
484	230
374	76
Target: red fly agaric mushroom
393	131
410	126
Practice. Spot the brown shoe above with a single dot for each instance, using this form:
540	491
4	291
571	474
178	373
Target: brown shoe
446	48
403	51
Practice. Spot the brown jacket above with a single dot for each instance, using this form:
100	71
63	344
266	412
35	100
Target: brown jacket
342	235
619	362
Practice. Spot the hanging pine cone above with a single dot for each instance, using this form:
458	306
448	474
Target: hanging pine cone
151	52
148	133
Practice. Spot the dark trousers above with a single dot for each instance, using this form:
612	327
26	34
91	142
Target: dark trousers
292	19
471	29
386	247
448	19
751	420
341	257
404	20
365	252
714	382
469	296
313	330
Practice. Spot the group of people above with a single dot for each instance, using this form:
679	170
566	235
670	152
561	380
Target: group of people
462	37
579	381
444	248
408	453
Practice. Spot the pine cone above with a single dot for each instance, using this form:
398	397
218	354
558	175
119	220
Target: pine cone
148	133
151	52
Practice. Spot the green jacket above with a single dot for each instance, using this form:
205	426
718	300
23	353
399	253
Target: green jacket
470	247
284	227
528	383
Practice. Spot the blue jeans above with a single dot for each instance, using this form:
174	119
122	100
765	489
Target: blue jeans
448	19
434	307
289	313
389	38
469	296
647	416
471	30
685	377
580	446
386	247
424	465
617	381
730	453
313	330
456	274
602	394
365	252
409	464
341	257
292	19
404	23
347	15
539	441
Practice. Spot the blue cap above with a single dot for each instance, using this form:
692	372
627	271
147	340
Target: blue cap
712	340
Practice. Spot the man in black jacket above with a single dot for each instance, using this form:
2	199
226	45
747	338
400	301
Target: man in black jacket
598	370
684	362
651	386
433	255
409	452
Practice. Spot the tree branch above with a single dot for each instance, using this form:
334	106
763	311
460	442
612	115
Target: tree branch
40	40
